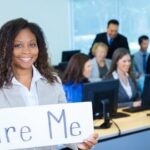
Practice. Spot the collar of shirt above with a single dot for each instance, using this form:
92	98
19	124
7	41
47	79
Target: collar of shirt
108	37
116	76
36	76
141	52
127	87
29	96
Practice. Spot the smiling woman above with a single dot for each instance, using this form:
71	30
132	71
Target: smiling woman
26	78
121	69
23	45
25	53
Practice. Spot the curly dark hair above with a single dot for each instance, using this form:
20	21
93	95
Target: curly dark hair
74	70
8	33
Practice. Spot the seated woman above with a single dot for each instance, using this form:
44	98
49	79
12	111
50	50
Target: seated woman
121	69
76	73
100	65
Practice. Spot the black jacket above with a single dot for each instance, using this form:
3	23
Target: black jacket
148	65
122	95
119	41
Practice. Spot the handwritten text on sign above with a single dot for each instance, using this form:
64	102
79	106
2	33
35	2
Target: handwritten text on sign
36	126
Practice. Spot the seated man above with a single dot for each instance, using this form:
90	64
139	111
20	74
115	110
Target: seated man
140	58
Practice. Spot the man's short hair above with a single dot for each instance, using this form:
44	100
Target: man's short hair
113	21
141	38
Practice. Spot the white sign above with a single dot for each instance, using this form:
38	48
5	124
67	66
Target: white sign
26	127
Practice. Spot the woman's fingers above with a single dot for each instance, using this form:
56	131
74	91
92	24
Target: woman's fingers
89	142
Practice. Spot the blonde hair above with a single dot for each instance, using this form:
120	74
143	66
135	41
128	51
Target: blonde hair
99	44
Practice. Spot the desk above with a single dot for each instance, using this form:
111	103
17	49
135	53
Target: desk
134	133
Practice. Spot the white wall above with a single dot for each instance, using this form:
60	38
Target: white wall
52	15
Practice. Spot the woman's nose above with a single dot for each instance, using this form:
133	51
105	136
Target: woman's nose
26	49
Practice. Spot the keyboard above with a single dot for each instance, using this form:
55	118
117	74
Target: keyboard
113	116
135	109
119	115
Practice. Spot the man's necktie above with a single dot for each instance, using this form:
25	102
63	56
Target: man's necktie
110	41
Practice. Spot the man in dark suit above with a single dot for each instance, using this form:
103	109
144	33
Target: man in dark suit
111	38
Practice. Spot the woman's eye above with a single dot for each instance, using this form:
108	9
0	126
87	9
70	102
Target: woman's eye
32	45
17	45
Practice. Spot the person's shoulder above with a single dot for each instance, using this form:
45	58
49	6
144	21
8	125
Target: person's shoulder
108	60
136	55
101	34
108	78
93	60
71	87
121	36
68	84
56	80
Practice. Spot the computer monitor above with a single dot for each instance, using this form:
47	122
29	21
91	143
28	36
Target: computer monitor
146	92
145	97
96	92
66	55
62	66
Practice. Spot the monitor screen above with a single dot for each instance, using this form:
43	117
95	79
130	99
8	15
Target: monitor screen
96	92
66	55
146	92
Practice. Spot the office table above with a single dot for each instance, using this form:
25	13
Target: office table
133	133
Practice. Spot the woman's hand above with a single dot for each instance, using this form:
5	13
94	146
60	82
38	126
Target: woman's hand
89	142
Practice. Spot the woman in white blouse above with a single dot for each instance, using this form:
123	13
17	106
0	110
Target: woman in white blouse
26	79
121	69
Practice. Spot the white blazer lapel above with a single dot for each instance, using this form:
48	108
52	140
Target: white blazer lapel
46	93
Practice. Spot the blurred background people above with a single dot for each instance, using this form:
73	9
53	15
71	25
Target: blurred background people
121	69
141	61
111	38
99	64
140	58
76	73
